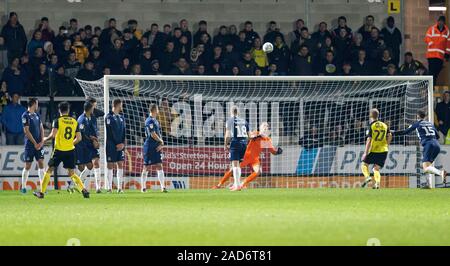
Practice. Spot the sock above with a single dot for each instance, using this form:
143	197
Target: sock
45	182
109	179
144	176
225	178
250	178
365	170
84	176
237	176
377	176
161	178
76	179
432	170
97	178
41	174
119	178
25	174
431	180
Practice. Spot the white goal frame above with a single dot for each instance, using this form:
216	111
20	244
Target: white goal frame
108	78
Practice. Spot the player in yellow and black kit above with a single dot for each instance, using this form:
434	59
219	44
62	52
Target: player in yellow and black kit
377	145
66	133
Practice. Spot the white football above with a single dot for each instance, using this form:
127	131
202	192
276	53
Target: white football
267	47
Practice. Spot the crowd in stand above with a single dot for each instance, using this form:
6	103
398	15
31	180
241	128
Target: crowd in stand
48	63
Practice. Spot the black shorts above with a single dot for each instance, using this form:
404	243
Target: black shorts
65	157
378	158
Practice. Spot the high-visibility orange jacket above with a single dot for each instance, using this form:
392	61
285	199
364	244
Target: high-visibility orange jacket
438	42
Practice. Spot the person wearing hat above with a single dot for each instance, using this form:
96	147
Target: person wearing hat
15	37
438	40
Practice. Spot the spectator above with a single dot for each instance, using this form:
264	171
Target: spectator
384	62
443	113
258	55
110	34
72	66
273	70
125	69
155	68
37	59
324	48
233	35
328	66
295	35
49	51
73	26
374	45
40	85
12	121
184	26
115	57
3	55
165	117
181	68
195	60
201	70
81	51
230	57
280	56
15	78
242	45
89	35
156	39
347	69
130	45
184	47
342	25
391	70
97	60
94	44
143	46
146	62
136	70
133	27
342	44
222	38
60	39
168	58
202	29
366	29
393	39
306	40
250	34
63	85
258	72
302	62
235	71
15	37
247	65
48	34
87	72
322	34
167	30
218	57
361	67
65	52
272	32
355	47
53	64
36	42
311	139
438	47
217	70
411	66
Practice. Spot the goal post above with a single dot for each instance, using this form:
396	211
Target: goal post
319	122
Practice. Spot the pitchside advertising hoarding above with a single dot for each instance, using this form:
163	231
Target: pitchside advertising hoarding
297	167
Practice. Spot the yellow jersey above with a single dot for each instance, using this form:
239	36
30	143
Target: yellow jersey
67	129
260	57
378	132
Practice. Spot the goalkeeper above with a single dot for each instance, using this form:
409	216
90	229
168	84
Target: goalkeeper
258	141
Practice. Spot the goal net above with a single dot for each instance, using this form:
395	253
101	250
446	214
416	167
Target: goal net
319	122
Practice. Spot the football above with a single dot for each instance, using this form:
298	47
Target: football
267	47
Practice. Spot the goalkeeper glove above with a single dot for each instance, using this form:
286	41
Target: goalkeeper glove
279	151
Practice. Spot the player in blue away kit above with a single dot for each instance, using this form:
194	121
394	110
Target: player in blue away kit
236	137
115	145
87	153
34	142
428	137
153	146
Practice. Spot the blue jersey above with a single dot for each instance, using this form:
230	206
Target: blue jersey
87	129
425	131
115	129
238	128
33	122
152	125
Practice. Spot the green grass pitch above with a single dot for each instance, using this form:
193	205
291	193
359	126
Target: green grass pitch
251	217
